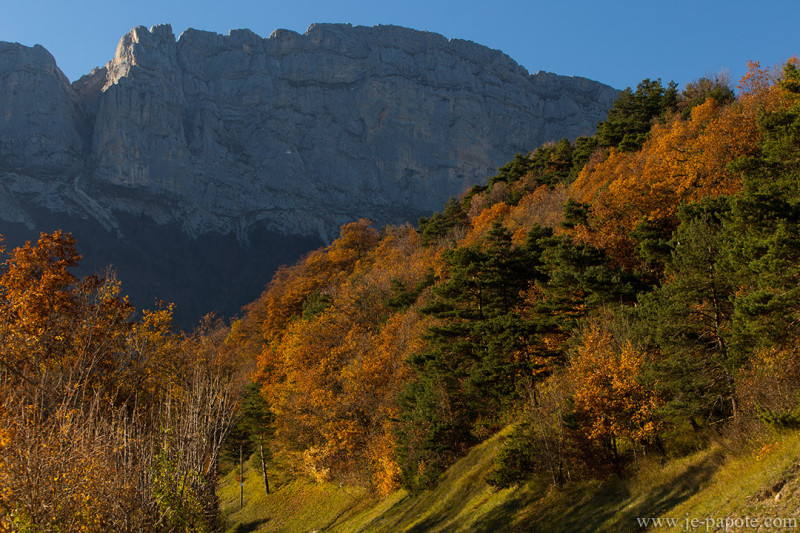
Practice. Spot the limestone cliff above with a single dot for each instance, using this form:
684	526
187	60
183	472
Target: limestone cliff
293	134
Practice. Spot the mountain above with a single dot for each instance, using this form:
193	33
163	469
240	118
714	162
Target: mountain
196	166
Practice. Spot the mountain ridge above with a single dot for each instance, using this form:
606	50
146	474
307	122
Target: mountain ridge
296	134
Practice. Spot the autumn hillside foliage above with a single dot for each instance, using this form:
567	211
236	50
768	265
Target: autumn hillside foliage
109	421
623	295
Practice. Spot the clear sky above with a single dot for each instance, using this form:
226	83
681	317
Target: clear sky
618	42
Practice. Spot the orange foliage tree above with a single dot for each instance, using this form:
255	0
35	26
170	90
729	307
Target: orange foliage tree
483	222
684	160
93	404
332	369
611	403
543	206
294	287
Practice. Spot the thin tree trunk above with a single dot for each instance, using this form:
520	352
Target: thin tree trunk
263	464
241	479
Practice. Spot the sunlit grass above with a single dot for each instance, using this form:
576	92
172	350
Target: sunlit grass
763	482
711	482
299	504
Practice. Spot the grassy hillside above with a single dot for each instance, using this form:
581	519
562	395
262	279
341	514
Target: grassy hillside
762	482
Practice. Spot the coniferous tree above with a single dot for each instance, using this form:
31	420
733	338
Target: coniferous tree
766	225
690	317
466	377
439	225
631	116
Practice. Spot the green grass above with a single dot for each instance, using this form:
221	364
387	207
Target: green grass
461	502
762	483
712	482
293	505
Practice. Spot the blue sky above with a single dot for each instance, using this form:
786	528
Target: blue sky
615	42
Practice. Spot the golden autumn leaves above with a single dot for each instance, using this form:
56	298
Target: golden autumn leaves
108	421
610	397
332	354
683	160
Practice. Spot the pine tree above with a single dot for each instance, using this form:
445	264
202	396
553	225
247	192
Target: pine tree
690	317
467	376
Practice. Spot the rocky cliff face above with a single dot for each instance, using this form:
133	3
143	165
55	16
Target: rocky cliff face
291	135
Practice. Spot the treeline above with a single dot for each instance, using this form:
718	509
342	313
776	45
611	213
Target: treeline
109	421
627	294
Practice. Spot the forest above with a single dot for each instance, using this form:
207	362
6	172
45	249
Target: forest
625	295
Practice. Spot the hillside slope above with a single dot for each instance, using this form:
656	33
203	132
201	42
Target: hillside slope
759	483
